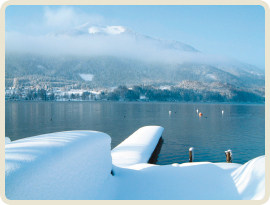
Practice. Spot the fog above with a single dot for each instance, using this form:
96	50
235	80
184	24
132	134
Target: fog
120	45
67	32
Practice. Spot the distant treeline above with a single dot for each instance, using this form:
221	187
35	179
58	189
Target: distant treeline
175	94
39	94
145	93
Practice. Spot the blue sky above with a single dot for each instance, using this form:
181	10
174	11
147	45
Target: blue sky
231	31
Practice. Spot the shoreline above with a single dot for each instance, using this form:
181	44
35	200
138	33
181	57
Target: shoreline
134	102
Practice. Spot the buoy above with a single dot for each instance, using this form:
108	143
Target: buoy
200	114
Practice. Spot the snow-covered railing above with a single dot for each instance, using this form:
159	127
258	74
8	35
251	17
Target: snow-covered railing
63	165
138	147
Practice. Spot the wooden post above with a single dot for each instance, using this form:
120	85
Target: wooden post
228	154
191	154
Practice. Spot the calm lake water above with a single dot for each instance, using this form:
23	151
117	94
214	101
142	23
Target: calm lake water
241	128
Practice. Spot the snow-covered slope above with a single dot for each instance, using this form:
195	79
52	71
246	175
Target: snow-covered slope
111	30
118	30
86	77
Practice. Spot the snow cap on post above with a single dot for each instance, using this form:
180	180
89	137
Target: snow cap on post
228	154
191	154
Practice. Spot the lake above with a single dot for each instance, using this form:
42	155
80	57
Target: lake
240	128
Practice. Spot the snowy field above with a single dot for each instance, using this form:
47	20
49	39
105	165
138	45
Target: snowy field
78	165
86	77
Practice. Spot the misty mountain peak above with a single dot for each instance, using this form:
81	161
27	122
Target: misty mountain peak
92	29
114	30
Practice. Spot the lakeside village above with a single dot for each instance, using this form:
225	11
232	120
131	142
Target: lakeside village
67	93
187	91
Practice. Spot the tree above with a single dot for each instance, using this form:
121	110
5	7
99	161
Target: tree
132	95
42	94
85	95
30	95
72	96
51	96
113	96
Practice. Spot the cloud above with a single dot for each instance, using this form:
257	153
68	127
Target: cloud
67	17
76	33
123	45
62	17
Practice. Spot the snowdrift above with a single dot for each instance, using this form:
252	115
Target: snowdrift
192	181
64	165
249	179
7	140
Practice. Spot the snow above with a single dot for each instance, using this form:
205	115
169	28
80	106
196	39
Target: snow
138	147
107	30
93	30
86	77
143	97
211	76
64	165
165	87
115	29
95	92
73	91
7	140
77	165
250	179
188	181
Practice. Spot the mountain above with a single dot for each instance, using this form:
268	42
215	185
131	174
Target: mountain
116	55
94	31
